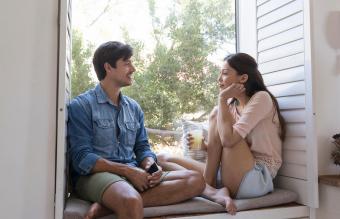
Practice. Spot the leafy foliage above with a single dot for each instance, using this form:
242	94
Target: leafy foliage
178	77
81	66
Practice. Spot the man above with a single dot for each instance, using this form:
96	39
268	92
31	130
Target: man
109	149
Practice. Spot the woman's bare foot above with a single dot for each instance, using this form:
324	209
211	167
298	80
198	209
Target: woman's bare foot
220	196
97	210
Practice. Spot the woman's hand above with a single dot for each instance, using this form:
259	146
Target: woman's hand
234	90
191	141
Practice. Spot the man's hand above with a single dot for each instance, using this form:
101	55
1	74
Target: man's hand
155	178
138	177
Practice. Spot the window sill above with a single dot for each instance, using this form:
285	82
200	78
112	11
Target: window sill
332	180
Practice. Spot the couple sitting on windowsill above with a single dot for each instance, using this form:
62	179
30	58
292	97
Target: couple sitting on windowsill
113	166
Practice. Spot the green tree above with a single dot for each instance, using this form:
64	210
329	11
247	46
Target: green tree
81	65
178	77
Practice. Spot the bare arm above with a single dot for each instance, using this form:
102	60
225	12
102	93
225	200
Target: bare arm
225	121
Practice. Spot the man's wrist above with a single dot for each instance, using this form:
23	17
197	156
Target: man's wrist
126	171
147	162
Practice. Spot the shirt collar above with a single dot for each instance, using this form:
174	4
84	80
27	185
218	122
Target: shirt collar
103	98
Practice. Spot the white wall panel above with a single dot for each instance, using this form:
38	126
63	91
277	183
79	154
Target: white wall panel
285	37
271	6
281	26
28	87
283	63
294	157
293	116
293	170
292	102
259	2
283	12
296	130
289	89
295	143
281	51
284	76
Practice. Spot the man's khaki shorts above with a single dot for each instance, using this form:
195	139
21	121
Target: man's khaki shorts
92	187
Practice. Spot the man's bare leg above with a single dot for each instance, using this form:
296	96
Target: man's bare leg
97	210
115	199
177	186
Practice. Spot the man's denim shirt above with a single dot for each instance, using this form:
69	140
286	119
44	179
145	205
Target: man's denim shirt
93	133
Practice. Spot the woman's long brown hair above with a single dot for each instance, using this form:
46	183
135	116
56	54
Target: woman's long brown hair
245	64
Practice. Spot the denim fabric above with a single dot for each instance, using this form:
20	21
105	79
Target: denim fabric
97	128
257	182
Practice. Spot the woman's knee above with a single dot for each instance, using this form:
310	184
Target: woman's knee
213	114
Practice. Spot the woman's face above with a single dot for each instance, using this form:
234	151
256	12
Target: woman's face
228	75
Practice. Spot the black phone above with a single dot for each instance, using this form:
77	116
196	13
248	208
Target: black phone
153	168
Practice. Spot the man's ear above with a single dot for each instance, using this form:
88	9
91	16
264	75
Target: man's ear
244	78
107	67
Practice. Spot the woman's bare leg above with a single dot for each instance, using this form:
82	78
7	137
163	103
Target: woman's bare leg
169	162
220	196
214	149
236	162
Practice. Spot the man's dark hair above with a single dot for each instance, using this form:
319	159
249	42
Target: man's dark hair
110	52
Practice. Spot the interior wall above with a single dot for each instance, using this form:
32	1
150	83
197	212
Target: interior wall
28	84
325	27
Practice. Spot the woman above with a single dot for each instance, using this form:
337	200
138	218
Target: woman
245	136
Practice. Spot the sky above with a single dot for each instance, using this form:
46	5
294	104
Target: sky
133	14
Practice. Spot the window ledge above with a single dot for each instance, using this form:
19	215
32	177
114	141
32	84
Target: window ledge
332	180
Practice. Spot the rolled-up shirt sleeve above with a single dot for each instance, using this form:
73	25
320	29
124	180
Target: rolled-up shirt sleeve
80	137
142	147
256	109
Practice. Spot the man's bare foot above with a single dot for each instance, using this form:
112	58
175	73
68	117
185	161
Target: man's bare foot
220	196
97	210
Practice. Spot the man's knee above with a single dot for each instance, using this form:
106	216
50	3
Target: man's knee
130	206
120	195
134	202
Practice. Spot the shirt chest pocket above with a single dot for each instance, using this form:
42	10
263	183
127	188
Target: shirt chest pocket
131	132
104	132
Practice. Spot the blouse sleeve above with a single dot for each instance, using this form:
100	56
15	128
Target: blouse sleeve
258	107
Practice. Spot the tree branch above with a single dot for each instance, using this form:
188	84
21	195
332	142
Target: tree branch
106	9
